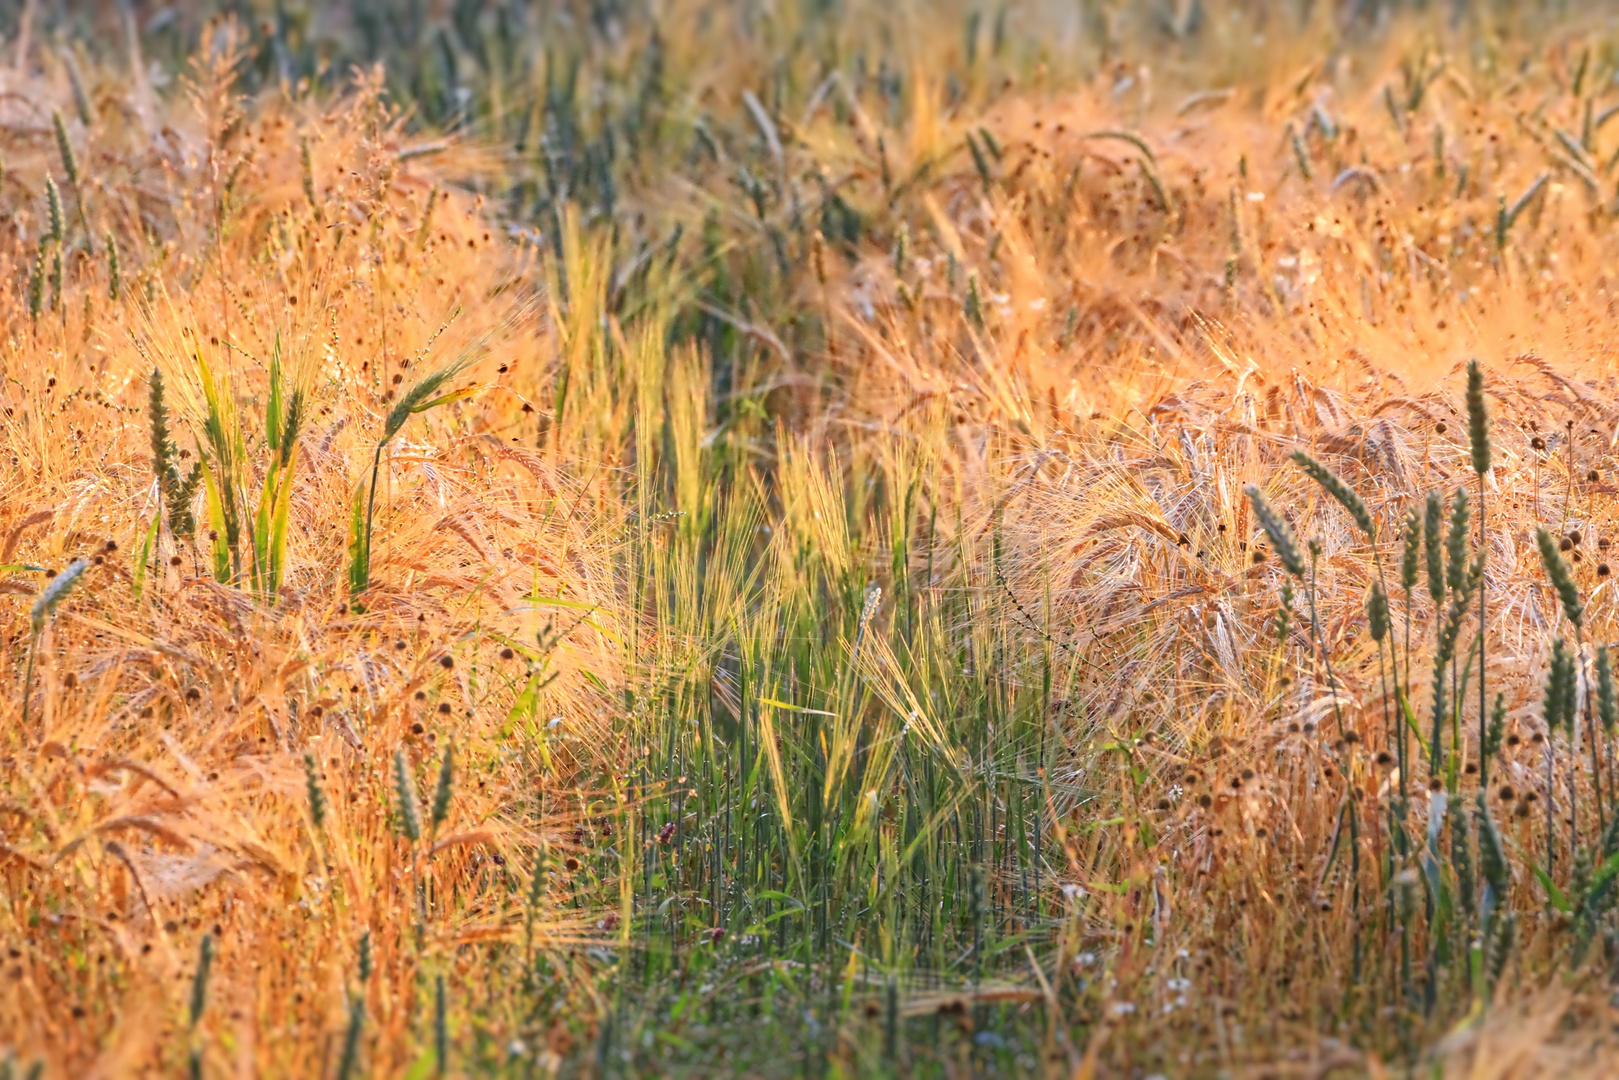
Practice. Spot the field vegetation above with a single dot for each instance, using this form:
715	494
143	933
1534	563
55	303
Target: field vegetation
817	538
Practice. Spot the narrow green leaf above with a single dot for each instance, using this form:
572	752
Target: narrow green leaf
1559	901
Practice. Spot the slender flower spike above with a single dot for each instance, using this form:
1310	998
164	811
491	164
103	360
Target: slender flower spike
1562	580
1339	490
1478	422
1282	540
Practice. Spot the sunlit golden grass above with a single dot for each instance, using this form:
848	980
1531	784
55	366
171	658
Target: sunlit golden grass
857	582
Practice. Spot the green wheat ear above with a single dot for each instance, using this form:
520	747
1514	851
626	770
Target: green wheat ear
1607	701
1498	724
1433	537
1377	612
1282	540
1461	514
199	984
1478	422
1562	580
1558	704
36	285
64	146
115	277
317	797
55	593
446	784
1411	558
410	809
1335	486
53	211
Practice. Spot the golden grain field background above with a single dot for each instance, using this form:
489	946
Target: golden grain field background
810	538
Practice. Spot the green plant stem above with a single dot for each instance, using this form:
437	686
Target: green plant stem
1483	652
28	680
370	509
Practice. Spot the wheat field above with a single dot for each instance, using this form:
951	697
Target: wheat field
704	537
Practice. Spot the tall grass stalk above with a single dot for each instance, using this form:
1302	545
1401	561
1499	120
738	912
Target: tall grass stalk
422	397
